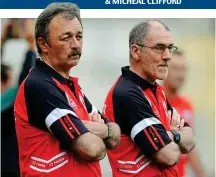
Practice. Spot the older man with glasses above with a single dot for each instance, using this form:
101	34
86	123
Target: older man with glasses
153	135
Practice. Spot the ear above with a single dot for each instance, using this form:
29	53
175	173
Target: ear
43	44
135	52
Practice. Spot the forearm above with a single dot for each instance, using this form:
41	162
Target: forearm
112	142
101	130
89	147
187	142
168	155
196	163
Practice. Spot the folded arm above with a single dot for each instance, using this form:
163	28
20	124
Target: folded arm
187	142
51	112
147	131
89	147
72	133
100	128
98	125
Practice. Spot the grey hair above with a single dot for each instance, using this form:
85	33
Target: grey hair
140	31
68	11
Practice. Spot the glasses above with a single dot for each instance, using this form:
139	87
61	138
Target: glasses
161	48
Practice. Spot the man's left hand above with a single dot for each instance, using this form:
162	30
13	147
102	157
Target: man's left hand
96	117
176	122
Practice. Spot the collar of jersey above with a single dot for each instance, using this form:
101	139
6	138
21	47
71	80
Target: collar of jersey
144	84
50	71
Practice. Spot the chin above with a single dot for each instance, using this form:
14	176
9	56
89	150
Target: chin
162	76
73	63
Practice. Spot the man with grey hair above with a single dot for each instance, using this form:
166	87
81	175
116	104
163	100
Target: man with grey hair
60	133
153	135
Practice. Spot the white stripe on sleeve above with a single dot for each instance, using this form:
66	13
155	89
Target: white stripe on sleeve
142	125
56	114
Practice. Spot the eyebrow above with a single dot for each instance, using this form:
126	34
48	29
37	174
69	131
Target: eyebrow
79	32
160	44
69	33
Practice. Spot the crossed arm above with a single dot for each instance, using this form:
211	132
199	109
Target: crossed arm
92	145
187	142
170	154
149	133
98	127
58	117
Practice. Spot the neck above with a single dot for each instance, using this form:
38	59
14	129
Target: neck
170	92
139	72
63	73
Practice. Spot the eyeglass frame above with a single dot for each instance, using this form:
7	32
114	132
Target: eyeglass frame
167	47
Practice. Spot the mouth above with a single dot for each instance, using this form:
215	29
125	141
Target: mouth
163	66
75	56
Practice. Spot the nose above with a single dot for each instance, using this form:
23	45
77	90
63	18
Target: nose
75	43
166	55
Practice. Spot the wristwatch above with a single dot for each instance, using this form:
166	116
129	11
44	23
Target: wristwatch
109	132
176	136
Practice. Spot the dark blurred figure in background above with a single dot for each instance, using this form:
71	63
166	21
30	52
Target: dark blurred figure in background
9	147
6	78
172	86
11	30
21	29
30	56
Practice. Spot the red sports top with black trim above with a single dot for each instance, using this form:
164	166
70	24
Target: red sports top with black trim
140	109
48	111
185	108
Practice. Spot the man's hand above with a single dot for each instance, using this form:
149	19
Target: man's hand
95	117
187	141
176	122
97	126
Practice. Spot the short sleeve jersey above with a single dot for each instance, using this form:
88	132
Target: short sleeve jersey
140	109
48	111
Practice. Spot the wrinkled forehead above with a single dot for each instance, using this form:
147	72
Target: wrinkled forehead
61	24
159	36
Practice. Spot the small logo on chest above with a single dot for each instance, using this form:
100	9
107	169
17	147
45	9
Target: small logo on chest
71	102
154	109
82	101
